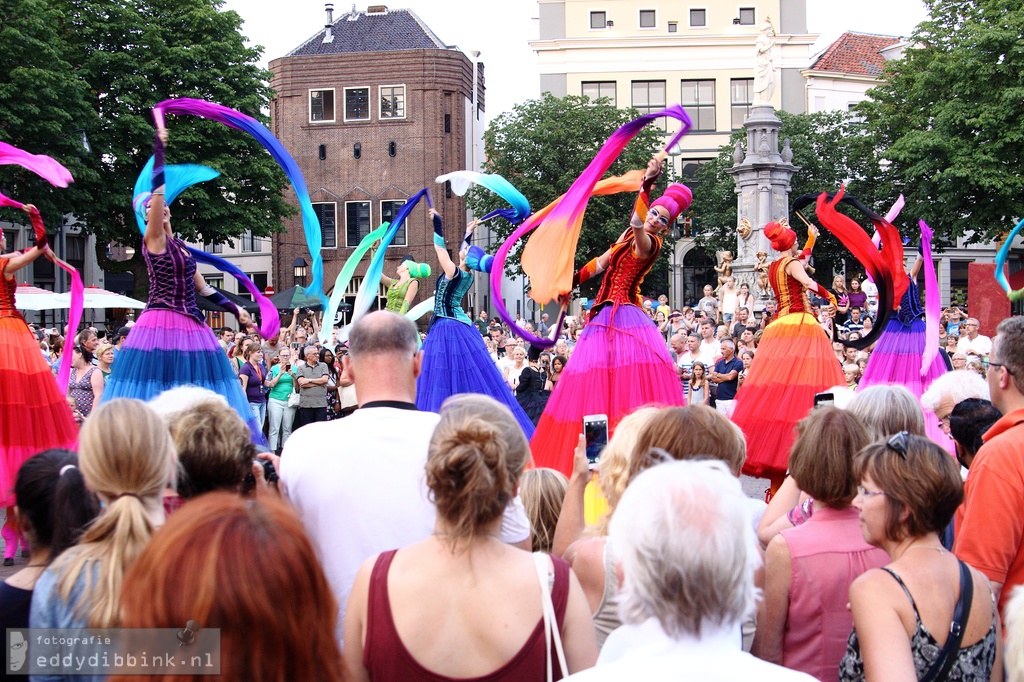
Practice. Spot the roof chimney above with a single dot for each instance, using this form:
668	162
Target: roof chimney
328	28
353	15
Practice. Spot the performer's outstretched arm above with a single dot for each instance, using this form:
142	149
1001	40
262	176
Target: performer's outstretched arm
158	218
445	260
18	261
217	298
410	295
643	242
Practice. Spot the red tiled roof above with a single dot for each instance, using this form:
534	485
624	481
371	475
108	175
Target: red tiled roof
858	53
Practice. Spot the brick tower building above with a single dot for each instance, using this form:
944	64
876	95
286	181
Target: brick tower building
373	108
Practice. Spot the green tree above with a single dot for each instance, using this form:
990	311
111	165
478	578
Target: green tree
830	148
950	118
133	55
43	108
542	146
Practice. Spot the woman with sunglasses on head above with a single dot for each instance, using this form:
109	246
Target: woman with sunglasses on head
904	613
620	343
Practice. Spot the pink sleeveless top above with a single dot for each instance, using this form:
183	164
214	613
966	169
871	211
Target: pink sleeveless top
828	553
387	660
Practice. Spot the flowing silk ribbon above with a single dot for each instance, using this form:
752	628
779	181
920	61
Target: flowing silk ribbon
344	277
56	174
44	166
462	180
178	178
1001	256
421	309
630	182
882	266
932	305
549	256
245	123
371	281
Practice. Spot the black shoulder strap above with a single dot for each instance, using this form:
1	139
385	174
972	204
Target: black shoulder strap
947	657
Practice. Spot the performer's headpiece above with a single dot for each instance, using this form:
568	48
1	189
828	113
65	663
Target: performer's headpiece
781	237
675	200
141	202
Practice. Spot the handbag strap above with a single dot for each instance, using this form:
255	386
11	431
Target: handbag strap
543	564
939	670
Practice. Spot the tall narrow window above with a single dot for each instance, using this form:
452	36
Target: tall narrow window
648	97
357	222
392	101
388	210
741	93
596	90
698	98
251	243
321	105
326	213
357	104
648	18
598	20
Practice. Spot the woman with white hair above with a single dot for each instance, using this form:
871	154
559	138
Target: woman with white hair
687	554
951	389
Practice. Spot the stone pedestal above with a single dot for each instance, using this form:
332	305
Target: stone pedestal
762	173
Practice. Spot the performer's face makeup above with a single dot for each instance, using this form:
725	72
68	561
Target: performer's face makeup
657	220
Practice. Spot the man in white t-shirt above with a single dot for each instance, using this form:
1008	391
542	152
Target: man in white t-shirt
973	343
358	483
710	347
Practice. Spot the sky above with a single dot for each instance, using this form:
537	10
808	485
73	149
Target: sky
501	29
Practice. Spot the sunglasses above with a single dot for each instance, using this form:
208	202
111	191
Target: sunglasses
898	444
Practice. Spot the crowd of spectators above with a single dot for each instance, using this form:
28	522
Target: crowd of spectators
397	536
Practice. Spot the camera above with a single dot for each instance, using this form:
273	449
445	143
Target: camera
269	473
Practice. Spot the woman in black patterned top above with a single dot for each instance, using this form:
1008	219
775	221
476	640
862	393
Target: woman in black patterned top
909	489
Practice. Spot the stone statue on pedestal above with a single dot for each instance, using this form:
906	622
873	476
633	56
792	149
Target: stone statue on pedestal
764	68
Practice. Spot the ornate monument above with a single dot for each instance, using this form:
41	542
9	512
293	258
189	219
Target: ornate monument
761	171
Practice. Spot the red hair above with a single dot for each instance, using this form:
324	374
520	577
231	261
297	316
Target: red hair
246	567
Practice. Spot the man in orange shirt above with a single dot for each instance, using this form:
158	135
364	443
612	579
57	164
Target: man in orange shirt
990	522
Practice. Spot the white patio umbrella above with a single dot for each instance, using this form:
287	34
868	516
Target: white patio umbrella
101	298
33	298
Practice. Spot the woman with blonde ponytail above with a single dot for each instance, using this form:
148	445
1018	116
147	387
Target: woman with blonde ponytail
127	458
462	589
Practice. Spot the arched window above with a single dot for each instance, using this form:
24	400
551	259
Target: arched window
698	270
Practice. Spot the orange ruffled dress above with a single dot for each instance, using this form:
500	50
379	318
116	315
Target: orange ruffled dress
794	361
34	416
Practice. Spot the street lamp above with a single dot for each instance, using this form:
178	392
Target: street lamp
299	270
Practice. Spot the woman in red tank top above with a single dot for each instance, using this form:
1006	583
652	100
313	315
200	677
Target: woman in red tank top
463	604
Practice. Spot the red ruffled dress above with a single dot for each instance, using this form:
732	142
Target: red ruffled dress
34	416
620	363
793	362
